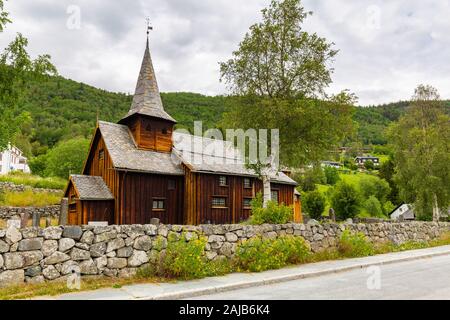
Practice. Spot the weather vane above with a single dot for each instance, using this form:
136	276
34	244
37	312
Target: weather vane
149	27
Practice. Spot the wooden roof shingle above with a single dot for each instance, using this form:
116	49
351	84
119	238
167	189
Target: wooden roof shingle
91	188
200	154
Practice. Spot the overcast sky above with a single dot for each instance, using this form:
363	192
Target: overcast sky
386	47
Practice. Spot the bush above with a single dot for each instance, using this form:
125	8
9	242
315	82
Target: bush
258	254
314	204
310	178
331	175
273	213
350	163
373	207
67	158
187	260
369	165
374	186
345	201
388	207
352	245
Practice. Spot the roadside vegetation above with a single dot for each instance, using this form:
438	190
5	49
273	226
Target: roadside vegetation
184	260
273	213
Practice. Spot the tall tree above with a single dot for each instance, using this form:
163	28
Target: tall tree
16	69
277	58
421	143
3	16
277	75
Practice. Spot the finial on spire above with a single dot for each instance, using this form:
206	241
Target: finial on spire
149	26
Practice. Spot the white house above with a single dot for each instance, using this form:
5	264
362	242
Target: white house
332	164
12	159
405	211
361	160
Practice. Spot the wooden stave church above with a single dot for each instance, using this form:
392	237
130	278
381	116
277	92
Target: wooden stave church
140	169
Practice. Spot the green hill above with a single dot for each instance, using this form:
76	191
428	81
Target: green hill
63	109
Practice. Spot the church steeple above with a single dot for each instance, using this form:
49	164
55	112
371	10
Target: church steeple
149	124
147	99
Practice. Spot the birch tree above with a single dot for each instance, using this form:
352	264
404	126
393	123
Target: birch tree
421	143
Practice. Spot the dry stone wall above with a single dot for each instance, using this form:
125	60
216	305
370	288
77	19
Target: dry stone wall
7	213
37	255
12	187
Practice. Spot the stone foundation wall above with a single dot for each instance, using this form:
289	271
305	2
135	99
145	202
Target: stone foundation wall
36	255
11	187
7	213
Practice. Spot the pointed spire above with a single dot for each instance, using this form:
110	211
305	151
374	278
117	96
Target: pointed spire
147	99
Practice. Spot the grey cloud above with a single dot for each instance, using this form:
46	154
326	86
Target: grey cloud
380	63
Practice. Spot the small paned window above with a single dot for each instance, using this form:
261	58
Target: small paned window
171	184
219	202
247	203
247	183
223	181
274	195
159	204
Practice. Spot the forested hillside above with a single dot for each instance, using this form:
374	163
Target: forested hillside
61	109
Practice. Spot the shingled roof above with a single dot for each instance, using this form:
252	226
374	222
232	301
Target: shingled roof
199	154
91	188
216	156
147	100
126	156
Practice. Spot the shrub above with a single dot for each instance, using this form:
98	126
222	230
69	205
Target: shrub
345	200
374	186
352	245
388	207
331	175
184	259
258	254
369	165
187	260
310	178
273	213
373	207
67	158
350	164
314	204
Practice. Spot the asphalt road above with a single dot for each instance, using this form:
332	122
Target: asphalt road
420	279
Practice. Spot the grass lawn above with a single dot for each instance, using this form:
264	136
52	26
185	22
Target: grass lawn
28	198
34	181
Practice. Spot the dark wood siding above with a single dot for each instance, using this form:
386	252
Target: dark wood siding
96	211
104	168
84	211
139	192
150	133
155	134
200	189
